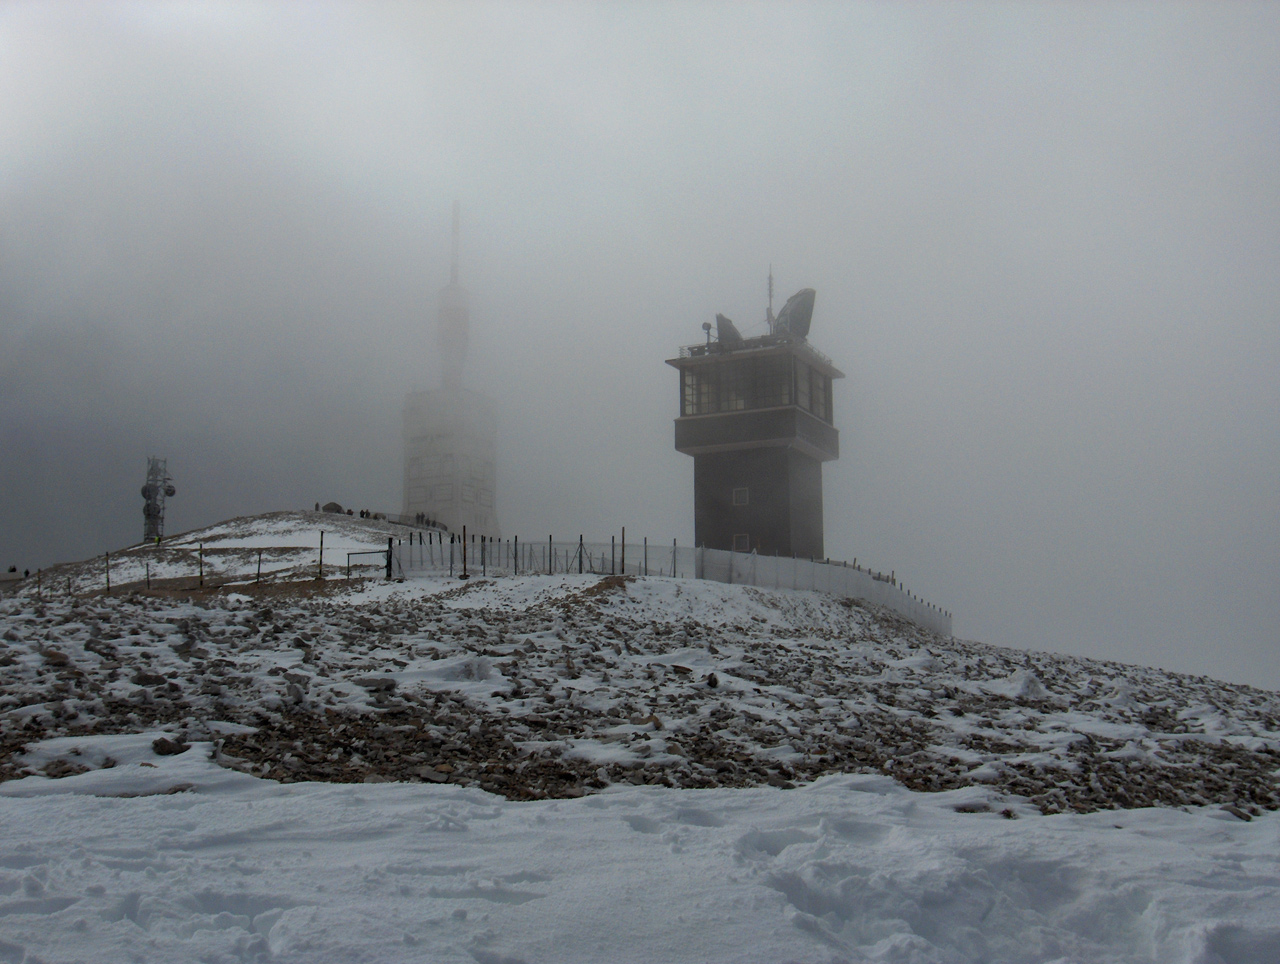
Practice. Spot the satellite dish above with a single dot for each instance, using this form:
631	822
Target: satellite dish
727	334
148	491
796	314
170	490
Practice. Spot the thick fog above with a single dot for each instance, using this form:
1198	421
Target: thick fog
1044	240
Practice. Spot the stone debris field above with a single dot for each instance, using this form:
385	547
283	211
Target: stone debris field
541	686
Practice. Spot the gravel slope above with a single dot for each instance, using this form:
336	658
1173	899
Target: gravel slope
558	686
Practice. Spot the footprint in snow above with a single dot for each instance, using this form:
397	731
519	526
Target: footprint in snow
771	842
642	824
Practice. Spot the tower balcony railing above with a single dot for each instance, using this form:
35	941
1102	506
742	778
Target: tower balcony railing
763	341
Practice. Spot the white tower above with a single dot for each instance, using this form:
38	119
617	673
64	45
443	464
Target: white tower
450	433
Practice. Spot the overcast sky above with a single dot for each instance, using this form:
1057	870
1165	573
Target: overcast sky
1044	239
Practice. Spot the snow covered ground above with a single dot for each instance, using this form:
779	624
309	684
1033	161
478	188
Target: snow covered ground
571	768
848	868
286	544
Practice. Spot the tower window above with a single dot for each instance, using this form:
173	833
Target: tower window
741	496
742	542
736	385
820	396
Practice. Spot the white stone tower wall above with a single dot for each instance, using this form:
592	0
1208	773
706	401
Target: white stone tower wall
450	471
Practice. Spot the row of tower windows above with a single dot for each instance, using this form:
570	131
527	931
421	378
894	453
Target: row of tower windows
749	383
444	492
436	465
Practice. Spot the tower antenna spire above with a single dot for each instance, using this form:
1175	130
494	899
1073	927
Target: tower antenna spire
457	219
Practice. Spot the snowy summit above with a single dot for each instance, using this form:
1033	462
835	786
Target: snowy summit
718	772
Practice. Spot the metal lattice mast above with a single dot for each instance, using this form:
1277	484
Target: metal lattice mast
159	486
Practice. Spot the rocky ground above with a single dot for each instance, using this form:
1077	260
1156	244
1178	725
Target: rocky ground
557	686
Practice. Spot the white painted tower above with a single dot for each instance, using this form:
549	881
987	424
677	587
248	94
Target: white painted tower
450	433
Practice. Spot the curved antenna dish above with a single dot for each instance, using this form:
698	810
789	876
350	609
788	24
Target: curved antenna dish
728	335
796	315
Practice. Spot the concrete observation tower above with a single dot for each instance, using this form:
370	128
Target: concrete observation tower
756	415
450	432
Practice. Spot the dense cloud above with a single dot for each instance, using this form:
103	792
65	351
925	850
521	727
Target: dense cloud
1043	241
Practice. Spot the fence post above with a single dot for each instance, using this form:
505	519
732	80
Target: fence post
200	556
320	564
613	570
464	574
258	578
580	547
389	551
551	556
107	569
483	570
623	567
451	542
646	555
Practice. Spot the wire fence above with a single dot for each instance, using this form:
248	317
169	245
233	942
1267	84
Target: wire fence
436	553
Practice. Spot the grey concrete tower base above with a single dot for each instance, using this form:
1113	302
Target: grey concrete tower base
779	513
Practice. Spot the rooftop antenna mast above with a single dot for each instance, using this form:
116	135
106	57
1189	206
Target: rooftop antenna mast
770	315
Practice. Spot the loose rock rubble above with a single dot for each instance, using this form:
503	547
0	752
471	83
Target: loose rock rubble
557	686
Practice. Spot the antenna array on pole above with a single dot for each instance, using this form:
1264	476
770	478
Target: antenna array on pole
159	486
